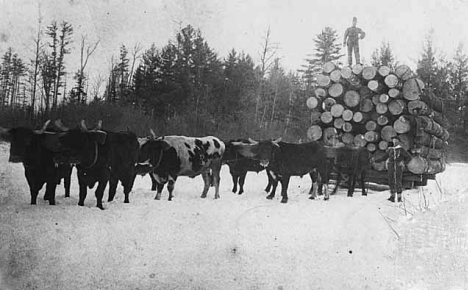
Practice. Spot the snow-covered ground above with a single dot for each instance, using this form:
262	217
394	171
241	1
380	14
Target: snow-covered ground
236	242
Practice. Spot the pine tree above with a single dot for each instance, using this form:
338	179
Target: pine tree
327	48
383	56
459	80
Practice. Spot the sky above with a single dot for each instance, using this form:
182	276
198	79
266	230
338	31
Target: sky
238	24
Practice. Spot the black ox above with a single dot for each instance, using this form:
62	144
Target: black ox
354	162
239	165
35	149
168	157
284	160
101	157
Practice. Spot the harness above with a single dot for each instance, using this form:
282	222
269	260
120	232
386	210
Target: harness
95	157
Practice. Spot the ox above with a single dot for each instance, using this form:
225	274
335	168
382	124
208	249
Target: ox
284	160
101	156
168	157
35	149
239	165
352	161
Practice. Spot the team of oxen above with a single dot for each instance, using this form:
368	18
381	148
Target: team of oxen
102	156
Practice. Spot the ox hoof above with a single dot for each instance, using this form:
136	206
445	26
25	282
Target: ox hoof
126	201
284	200
241	192
51	202
46	197
157	198
312	197
326	198
270	196
81	203
100	207
350	195
203	196
67	195
364	194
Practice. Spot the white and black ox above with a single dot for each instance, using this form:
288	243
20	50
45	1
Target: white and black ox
168	157
283	160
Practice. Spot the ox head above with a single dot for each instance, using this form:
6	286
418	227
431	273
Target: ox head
81	143
264	151
22	139
151	153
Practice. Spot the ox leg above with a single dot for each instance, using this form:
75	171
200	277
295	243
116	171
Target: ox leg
207	182
154	183
351	184
273	189
363	184
66	184
50	192
159	187
171	185
104	178
284	188
338	180
270	181
235	178
113	182
83	187
241	182
128	186
313	188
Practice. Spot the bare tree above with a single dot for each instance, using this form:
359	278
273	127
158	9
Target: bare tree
96	86
267	54
135	56
85	53
35	63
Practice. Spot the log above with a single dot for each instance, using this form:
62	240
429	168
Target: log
384	98
315	117
432	127
383	145
366	105
388	133
392	81
376	99
335	76
422	109
428	152
412	89
351	98
323	81
359	140
357	69
347	115
372	136
326	117
404	72
424	165
338	123
335	90
371	125
394	93
433	101
396	107
369	72
365	93
402	125
328	67
359	117
328	103
426	139
382	120
375	86
346	72
371	147
406	141
312	102
330	136
347	138
320	93
381	108
347	127
337	110
314	133
384	71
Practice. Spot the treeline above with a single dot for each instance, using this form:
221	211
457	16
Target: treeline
185	87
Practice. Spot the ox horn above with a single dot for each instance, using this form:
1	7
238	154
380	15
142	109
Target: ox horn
252	141
83	125
153	134
43	128
60	125
277	141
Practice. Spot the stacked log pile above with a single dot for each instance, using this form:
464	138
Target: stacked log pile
368	106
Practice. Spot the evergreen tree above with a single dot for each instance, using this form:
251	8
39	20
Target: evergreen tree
327	48
383	56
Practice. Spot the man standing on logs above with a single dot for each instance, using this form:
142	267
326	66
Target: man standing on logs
353	34
398	157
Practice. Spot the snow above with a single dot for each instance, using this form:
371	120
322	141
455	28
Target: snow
235	242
